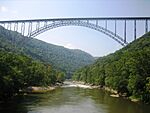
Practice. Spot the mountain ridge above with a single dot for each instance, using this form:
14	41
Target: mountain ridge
64	59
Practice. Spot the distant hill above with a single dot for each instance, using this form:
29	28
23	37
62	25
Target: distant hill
66	60
127	70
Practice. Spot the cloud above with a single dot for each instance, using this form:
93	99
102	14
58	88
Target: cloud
3	9
70	46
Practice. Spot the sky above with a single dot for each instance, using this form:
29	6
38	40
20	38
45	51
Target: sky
73	37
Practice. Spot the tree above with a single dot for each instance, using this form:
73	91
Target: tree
60	77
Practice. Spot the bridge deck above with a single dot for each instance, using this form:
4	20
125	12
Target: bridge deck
94	18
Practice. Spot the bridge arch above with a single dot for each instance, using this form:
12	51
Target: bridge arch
96	27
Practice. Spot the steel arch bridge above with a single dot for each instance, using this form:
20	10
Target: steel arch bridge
32	28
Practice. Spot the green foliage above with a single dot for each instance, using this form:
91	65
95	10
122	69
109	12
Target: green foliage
63	59
60	77
126	70
19	71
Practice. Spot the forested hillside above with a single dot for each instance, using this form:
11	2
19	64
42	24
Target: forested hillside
61	58
18	72
127	70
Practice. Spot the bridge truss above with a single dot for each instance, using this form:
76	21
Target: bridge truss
32	28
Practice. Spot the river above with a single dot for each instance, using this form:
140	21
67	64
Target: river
70	99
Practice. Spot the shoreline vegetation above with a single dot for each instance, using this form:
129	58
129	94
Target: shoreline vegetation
113	93
126	70
40	89
19	72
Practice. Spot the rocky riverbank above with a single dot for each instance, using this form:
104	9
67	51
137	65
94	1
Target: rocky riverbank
35	89
113	93
40	89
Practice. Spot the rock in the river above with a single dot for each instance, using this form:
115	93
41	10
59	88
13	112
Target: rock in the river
35	89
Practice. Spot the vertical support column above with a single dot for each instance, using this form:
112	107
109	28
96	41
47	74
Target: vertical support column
134	29
87	21
96	22
37	26
146	26
22	28
16	26
115	27
14	29
105	24
53	23
45	24
125	31
78	21
29	29
9	26
4	25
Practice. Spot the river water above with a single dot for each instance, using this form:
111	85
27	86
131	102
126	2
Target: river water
72	100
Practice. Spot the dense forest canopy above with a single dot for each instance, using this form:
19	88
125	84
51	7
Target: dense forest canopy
28	62
19	71
66	60
127	70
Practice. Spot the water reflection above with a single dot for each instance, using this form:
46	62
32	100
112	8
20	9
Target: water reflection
72	100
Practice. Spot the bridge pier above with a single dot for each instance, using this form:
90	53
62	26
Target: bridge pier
96	22
125	30
134	29
22	28
115	27
146	26
105	24
16	27
29	28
